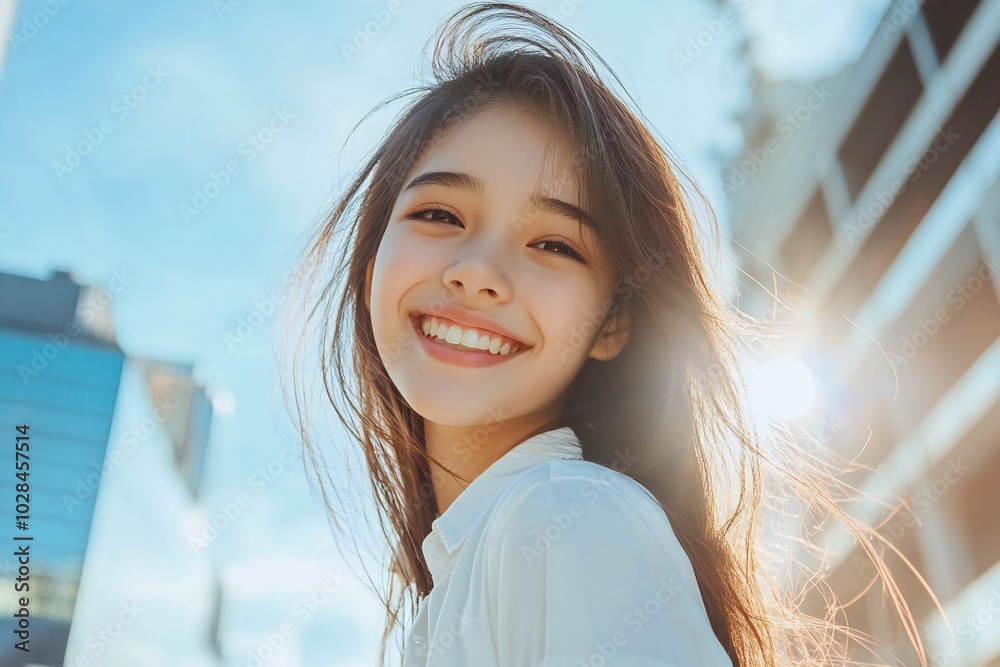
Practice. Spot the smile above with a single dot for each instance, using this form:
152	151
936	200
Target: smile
466	338
463	346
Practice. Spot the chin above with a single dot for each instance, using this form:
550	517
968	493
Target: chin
446	412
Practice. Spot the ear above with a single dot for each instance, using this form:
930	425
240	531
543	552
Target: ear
613	337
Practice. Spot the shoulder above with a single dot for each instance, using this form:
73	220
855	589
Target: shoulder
576	553
566	505
570	485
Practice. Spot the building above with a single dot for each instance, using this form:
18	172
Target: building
59	379
188	424
870	202
60	374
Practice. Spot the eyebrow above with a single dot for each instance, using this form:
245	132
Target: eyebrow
464	181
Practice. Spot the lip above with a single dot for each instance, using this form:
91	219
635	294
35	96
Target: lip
455	357
470	320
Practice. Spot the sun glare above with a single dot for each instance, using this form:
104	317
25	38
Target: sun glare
782	389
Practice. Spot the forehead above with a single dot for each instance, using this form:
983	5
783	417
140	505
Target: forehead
514	152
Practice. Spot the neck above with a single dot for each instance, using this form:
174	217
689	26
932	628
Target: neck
459	454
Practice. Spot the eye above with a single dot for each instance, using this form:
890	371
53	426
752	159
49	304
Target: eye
428	214
420	214
567	250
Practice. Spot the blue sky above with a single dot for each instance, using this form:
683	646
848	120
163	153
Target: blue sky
198	85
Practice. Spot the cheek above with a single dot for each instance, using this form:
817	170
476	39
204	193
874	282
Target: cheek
399	264
569	318
403	261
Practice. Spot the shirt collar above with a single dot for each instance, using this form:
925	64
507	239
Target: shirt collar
454	525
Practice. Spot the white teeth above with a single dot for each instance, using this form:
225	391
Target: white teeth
468	338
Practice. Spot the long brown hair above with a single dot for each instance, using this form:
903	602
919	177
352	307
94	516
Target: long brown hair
673	398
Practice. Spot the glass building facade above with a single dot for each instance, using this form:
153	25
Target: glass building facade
59	374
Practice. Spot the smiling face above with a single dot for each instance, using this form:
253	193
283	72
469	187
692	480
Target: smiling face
465	241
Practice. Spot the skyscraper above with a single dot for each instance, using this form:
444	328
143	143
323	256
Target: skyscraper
60	369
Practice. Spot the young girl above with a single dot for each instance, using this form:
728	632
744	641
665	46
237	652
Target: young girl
545	379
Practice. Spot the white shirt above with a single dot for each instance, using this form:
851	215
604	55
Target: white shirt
547	559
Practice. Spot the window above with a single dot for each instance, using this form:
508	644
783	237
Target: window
881	117
808	239
945	20
924	182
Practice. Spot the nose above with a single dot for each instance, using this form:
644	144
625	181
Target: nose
480	271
